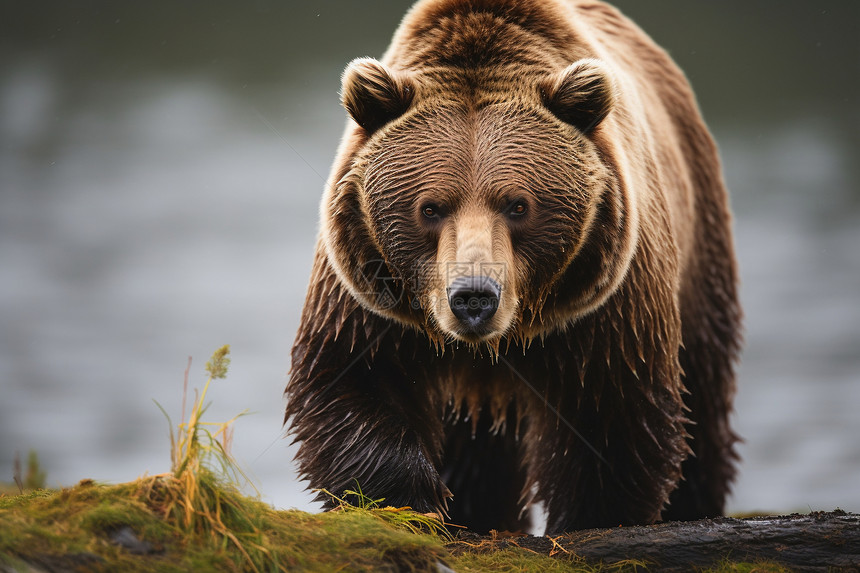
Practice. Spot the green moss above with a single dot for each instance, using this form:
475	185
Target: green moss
514	560
758	567
51	526
9	496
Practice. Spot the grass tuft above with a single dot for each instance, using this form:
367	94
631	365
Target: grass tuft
200	495
35	476
401	517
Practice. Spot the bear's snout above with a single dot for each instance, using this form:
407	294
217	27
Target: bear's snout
474	300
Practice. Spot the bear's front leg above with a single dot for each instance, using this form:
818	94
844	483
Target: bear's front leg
606	443
361	422
612	466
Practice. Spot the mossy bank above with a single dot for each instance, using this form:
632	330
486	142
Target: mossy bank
92	527
195	518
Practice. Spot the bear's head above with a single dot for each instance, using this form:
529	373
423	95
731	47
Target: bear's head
478	209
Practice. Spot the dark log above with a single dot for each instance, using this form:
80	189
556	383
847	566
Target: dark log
820	541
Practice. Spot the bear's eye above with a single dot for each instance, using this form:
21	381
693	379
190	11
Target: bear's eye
517	208
431	211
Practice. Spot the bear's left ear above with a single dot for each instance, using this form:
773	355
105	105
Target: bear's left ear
581	95
373	94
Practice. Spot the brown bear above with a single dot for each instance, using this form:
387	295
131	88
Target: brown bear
524	288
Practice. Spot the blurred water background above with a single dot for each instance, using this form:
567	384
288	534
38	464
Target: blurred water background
160	169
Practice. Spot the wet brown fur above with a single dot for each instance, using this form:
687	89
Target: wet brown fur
605	388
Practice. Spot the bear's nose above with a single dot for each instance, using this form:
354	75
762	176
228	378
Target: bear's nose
474	300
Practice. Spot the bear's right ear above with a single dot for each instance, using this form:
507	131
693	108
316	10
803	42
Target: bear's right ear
374	95
582	94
